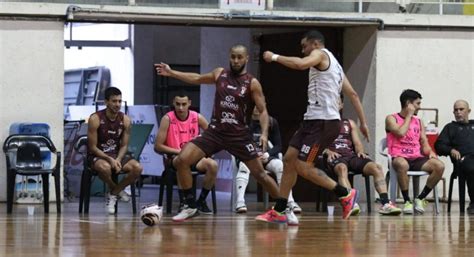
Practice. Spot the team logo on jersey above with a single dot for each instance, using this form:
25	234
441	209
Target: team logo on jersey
229	103
346	128
242	91
227	117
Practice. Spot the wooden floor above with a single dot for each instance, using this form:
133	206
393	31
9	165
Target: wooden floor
228	234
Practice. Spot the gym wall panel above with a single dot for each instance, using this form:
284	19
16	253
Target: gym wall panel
31	79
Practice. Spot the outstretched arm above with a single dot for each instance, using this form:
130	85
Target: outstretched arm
296	63
164	69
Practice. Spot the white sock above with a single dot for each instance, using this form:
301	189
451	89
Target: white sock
241	182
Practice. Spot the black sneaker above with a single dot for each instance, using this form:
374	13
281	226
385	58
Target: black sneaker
203	208
470	209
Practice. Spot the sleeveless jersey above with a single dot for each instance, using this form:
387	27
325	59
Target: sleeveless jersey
343	143
182	131
408	146
233	104
324	91
109	133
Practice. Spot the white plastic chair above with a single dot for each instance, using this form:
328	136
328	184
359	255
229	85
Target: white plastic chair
393	183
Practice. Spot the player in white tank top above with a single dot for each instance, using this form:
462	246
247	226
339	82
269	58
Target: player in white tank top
326	81
324	91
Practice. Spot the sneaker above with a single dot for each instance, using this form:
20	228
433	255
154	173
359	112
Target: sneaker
241	208
470	209
408	207
110	203
273	216
420	205
203	208
355	210
294	207
123	196
348	202
291	218
390	209
186	213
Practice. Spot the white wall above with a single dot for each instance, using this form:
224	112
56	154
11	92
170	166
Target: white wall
31	80
438	64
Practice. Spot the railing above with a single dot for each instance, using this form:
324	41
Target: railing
460	7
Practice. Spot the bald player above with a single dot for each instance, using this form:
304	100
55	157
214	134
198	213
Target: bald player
237	92
457	141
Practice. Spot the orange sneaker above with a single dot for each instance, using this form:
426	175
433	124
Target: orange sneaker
272	216
348	202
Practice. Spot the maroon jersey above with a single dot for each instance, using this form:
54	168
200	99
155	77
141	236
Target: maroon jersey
109	133
233	104
343	143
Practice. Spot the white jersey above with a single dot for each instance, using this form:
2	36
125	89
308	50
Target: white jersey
324	91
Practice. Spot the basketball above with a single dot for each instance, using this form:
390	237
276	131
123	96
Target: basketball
151	214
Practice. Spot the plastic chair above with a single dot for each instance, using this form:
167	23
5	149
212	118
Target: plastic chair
88	175
169	179
461	185
415	175
23	156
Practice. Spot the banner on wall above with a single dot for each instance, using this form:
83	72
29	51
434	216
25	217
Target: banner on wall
152	162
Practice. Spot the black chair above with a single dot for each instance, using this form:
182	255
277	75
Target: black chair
169	179
25	152
88	175
461	185
323	197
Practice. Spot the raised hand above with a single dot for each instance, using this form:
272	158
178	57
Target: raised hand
163	69
267	56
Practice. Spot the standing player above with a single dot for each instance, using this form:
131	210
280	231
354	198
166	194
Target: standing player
237	92
321	122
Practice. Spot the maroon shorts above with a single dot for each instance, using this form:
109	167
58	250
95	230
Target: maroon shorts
415	164
241	146
353	162
313	137
92	159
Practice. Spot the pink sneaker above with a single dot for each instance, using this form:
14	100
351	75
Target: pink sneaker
348	202
272	216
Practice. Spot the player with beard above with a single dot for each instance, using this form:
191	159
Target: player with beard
237	92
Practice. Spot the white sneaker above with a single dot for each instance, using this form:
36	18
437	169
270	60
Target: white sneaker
110	203
294	207
123	196
420	205
291	218
240	207
186	213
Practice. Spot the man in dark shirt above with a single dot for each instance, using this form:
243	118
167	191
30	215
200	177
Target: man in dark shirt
457	141
237	92
108	134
